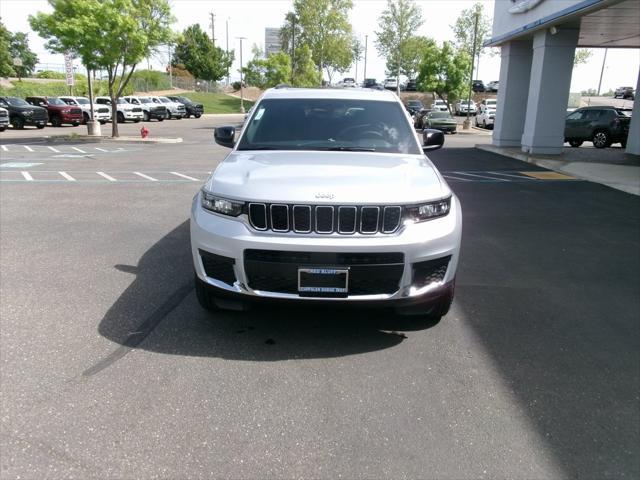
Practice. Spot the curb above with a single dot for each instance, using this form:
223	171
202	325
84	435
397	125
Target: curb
564	167
104	139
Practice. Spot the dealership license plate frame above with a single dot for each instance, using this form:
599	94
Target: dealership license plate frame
330	282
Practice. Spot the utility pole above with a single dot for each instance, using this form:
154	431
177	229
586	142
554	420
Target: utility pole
227	36
366	39
293	49
241	79
467	123
602	71
213	26
170	70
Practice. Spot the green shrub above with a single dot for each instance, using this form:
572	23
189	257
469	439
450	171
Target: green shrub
26	88
149	80
50	74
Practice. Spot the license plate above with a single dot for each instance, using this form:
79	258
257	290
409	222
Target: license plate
323	282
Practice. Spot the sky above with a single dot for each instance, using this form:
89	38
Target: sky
248	18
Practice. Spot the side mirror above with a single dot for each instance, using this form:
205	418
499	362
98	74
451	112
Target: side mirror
225	136
432	139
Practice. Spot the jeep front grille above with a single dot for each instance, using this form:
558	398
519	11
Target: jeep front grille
325	219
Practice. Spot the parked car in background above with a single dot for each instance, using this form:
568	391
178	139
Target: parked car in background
414	106
348	82
101	113
486	113
391	83
477	86
493	86
440	121
463	107
369	83
600	125
4	119
150	109
412	85
59	112
124	111
440	105
418	117
191	107
625	93
22	113
174	109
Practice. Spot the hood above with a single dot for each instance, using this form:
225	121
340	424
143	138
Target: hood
349	177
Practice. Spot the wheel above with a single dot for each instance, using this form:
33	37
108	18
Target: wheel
120	117
205	299
179	117
476	120
56	121
3	128
575	143
85	118
623	143
137	120
161	119
197	115
484	124
102	122
17	123
145	116
75	124
601	139
40	127
168	115
187	115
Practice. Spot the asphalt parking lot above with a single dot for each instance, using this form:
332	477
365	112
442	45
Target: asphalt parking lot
110	369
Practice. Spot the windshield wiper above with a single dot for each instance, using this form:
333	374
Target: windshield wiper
351	149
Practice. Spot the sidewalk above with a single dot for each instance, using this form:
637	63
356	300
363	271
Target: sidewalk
609	166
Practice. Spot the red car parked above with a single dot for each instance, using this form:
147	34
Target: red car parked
59	111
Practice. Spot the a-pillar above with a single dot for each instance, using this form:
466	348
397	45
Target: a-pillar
550	79
633	140
515	69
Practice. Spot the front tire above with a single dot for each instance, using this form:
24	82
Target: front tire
197	115
484	124
120	117
85	118
168	115
17	123
39	127
575	143
205	299
145	116
56	121
601	139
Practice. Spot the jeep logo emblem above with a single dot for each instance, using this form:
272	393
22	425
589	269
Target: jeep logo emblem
325	196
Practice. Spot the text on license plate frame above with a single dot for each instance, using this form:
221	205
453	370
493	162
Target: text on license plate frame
307	287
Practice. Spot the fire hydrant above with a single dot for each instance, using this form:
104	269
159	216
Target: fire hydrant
144	132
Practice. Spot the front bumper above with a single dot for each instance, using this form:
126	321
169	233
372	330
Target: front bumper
71	118
128	115
419	242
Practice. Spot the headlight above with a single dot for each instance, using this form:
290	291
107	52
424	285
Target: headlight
427	211
66	110
224	206
27	112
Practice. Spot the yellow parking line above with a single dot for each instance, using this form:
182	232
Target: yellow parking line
548	175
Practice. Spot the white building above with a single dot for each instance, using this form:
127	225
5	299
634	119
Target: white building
538	39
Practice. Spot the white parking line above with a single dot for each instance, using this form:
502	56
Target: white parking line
27	176
54	149
4	148
101	149
184	176
146	176
29	149
451	177
521	177
108	177
481	176
78	150
67	176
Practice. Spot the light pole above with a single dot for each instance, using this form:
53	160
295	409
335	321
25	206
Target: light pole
366	40
241	80
467	123
227	37
602	71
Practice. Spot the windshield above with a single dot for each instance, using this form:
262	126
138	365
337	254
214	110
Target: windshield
165	100
145	99
55	101
329	124
82	101
17	102
122	101
491	103
440	115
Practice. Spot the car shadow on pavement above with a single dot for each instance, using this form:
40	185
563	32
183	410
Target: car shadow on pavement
159	312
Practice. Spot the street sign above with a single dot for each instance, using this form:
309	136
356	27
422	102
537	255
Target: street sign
68	67
272	42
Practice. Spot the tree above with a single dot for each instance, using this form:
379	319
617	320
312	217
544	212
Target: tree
396	26
412	51
444	71
6	62
114	35
323	26
305	72
463	30
581	56
196	51
276	69
19	48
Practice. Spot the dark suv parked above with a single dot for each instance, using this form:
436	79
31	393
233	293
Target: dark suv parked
59	111
625	93
600	125
477	86
193	108
21	113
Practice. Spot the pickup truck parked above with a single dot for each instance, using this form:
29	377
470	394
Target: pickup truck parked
174	109
150	109
101	113
4	119
59	112
191	107
21	113
125	110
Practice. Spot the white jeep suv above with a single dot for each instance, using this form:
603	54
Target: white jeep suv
327	195
486	114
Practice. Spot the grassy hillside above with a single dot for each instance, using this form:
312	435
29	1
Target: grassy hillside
218	102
